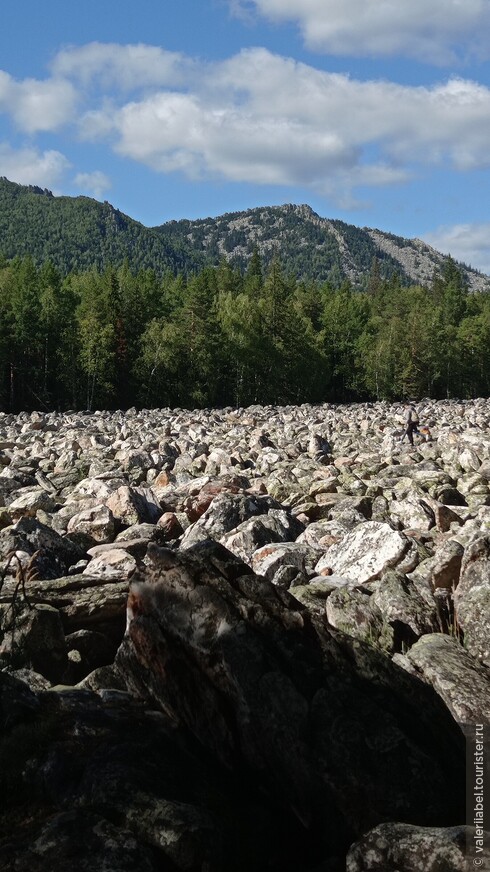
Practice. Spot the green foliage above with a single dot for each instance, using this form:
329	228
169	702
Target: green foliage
77	233
116	337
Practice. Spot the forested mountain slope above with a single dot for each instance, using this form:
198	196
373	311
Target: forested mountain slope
76	233
311	247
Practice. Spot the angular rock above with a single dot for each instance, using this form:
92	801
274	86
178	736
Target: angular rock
454	675
115	563
82	841
396	847
475	567
402	606
366	552
270	558
32	637
170	525
446	565
28	504
472	598
224	514
83	602
51	553
134	505
97	523
276	526
473	616
353	612
272	691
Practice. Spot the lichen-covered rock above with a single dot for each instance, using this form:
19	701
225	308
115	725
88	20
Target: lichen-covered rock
84	602
32	636
29	503
314	595
354	612
99	782
365	552
475	567
473	616
83	842
263	685
54	554
413	513
446	565
397	847
402	606
225	513
454	675
276	526
115	563
472	598
216	473
97	523
270	558
134	505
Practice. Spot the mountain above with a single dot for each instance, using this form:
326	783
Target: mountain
79	232
313	247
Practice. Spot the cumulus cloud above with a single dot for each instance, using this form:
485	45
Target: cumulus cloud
28	166
95	183
37	105
124	67
469	243
258	117
438	32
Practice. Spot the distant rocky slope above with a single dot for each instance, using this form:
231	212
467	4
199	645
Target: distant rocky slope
242	638
316	248
79	232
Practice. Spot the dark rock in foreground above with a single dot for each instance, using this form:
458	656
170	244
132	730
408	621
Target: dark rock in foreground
267	727
267	688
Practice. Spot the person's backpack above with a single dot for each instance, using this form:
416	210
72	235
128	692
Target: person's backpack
414	417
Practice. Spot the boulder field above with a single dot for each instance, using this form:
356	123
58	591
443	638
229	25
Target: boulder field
248	639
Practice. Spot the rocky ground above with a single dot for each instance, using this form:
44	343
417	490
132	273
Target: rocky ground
306	635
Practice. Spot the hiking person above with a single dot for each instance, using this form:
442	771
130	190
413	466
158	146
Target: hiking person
411	420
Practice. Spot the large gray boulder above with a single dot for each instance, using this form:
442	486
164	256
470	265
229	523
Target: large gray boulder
397	847
33	637
354	612
472	599
52	554
224	514
366	552
262	685
404	609
454	675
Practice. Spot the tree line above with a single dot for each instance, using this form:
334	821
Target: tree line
118	338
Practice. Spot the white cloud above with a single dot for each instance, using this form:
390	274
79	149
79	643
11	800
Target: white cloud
262	118
469	243
95	183
439	31
37	105
256	117
123	67
28	166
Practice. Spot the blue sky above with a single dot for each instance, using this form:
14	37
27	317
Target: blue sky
376	112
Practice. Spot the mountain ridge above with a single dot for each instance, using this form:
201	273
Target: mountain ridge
81	232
